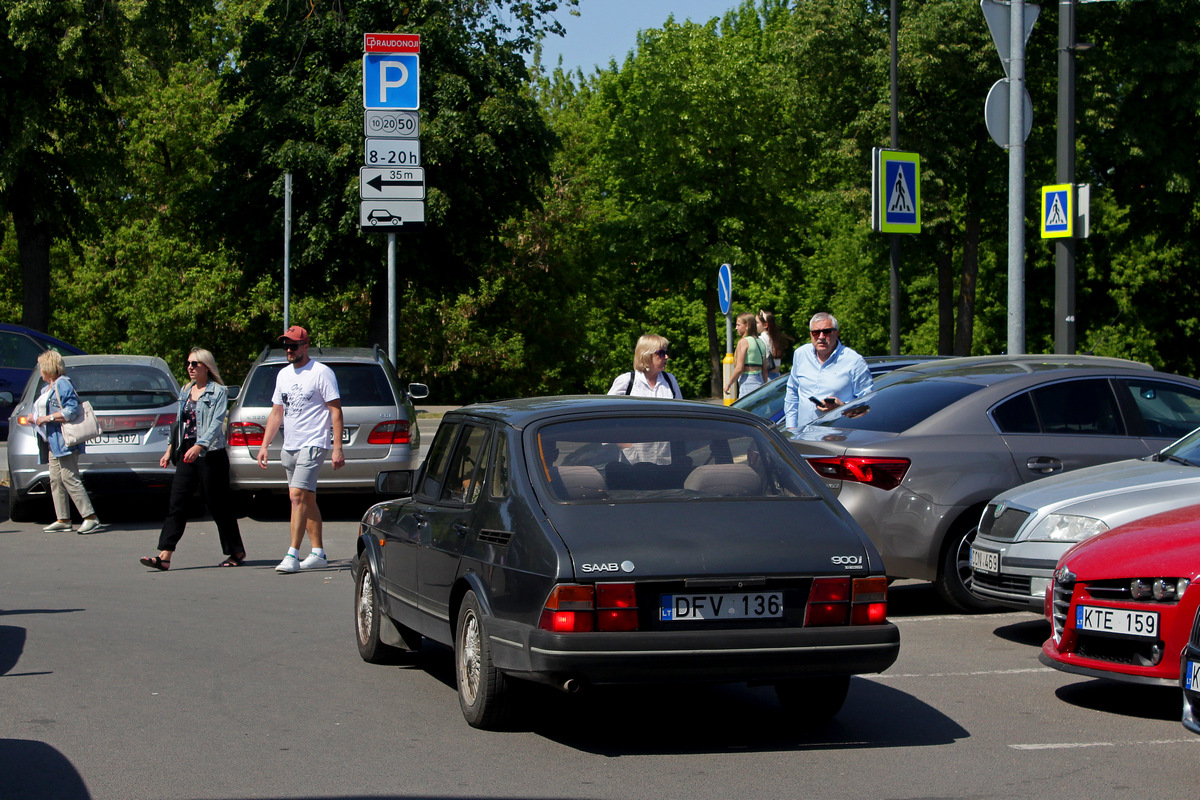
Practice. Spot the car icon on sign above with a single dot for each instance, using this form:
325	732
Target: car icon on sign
379	215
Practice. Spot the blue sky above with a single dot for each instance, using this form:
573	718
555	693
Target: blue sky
608	29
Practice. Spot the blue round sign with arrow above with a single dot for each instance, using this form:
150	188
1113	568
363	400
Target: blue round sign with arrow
725	288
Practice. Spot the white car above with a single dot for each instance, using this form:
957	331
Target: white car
1024	531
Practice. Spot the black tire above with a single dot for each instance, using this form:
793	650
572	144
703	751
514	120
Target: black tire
368	618
20	509
483	690
813	700
954	578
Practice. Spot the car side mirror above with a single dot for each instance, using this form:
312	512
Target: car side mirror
418	391
233	391
397	483
6	399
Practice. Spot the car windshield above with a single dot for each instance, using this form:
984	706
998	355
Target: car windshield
766	401
640	459
1186	450
898	406
123	387
363	384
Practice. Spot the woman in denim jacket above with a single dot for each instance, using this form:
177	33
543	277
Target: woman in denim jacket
57	404
198	438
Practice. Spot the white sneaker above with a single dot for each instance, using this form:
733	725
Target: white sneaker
313	561
90	526
57	525
289	564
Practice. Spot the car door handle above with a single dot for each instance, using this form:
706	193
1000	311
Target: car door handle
461	529
420	518
1046	465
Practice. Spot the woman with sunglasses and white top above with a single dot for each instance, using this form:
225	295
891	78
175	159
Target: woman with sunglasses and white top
649	377
198	444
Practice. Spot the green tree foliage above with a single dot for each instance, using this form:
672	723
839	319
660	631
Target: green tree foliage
60	61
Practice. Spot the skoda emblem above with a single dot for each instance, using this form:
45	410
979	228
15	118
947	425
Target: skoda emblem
1000	508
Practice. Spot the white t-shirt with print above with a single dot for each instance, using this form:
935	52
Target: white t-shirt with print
304	393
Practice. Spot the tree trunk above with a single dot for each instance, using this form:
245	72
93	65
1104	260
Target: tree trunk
966	292
33	247
716	385
945	284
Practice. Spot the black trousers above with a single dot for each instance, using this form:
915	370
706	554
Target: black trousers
211	471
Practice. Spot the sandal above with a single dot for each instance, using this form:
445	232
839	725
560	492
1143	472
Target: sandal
156	562
233	561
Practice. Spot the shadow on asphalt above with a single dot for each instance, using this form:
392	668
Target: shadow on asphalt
705	718
1125	699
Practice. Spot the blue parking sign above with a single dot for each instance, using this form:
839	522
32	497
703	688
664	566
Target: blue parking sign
391	81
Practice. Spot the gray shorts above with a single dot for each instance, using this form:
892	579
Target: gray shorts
303	465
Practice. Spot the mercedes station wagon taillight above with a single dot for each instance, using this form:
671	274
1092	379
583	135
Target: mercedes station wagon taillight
882	473
392	432
246	434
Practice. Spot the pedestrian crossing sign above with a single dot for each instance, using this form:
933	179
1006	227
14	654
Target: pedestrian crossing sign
898	191
1058	211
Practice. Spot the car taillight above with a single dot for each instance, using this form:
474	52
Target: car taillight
164	420
882	473
842	601
572	608
616	607
246	434
394	432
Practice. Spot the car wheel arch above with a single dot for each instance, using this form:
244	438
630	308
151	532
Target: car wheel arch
468	582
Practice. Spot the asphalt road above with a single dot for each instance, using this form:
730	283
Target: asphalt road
201	682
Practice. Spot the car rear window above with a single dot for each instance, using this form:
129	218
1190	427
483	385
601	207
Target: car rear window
123	387
638	459
358	384
765	402
899	406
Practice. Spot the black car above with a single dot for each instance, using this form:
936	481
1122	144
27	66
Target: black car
576	541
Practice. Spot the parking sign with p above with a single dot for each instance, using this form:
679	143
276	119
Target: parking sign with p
391	81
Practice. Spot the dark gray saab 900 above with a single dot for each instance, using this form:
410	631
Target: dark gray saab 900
575	541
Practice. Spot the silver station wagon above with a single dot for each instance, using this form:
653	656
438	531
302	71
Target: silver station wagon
379	421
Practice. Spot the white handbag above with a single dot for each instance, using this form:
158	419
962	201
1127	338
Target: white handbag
84	430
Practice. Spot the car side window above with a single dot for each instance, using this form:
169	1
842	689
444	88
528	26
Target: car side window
1168	410
498	487
1016	415
1084	407
18	351
467	464
438	458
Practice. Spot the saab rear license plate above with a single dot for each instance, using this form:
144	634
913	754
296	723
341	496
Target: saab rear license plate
1117	620
690	607
1192	676
984	560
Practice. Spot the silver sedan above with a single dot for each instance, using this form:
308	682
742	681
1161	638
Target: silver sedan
917	461
1024	531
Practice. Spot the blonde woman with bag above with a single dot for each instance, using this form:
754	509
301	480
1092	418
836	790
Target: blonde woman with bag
58	403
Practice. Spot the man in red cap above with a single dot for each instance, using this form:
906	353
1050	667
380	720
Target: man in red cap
306	395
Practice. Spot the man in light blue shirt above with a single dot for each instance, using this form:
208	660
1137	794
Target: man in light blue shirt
825	369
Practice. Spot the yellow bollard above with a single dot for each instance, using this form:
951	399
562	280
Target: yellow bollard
726	371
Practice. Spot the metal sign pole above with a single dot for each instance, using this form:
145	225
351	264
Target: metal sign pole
287	250
391	290
1016	180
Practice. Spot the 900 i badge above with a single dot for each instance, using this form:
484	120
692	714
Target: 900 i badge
849	562
612	566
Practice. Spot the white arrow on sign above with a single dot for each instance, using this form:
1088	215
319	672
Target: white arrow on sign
391	183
